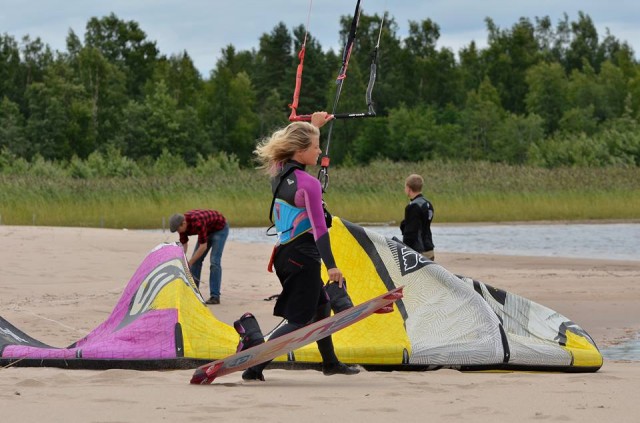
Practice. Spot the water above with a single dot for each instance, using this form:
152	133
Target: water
614	241
627	351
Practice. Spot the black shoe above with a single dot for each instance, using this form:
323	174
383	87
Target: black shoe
213	300
339	369
251	374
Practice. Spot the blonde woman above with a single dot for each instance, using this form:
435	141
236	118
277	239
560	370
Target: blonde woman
299	218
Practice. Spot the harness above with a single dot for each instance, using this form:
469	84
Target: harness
273	201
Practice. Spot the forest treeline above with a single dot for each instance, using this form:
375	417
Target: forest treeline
539	94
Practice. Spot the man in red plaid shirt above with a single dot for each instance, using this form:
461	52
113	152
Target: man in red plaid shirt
212	230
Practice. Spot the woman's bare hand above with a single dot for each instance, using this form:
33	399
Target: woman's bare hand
335	275
319	119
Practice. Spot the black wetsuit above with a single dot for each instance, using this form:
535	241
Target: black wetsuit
416	226
304	241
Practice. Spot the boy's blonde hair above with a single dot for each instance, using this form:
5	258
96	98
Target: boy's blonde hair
414	182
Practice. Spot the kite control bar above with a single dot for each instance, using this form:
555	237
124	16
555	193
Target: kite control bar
307	118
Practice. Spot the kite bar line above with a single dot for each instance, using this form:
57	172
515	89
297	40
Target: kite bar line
372	80
20	309
323	174
296	93
13	363
294	117
373	71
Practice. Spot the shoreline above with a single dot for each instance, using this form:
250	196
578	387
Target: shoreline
396	223
516	222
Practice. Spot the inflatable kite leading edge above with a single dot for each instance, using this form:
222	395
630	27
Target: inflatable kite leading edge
443	321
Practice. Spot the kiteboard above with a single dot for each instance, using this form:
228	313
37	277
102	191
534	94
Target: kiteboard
273	348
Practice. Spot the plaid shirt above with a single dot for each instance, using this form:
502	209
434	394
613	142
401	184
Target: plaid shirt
202	223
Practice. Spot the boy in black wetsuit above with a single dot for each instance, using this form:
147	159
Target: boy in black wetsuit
416	226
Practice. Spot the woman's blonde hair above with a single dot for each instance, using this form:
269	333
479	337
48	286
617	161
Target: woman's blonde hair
273	151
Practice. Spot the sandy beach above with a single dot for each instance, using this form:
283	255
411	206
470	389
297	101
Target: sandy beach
57	284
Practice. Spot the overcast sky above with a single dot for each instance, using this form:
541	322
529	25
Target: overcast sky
204	27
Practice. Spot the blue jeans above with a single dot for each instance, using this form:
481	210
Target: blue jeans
215	243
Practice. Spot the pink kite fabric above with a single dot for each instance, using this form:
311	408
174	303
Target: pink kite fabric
134	330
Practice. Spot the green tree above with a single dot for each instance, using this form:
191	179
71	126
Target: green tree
509	55
614	90
583	48
633	96
514	137
36	58
104	83
158	124
606	93
183	80
59	116
617	52
472	68
579	120
547	91
270	115
373	142
150	126
435	73
546	39
20	66
274	67
11	85
411	134
227	111
12	137
480	119
242	132
125	44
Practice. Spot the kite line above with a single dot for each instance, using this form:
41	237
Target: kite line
373	70
295	117
296	93
323	175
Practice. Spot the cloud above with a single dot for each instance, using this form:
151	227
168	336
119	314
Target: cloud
203	28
